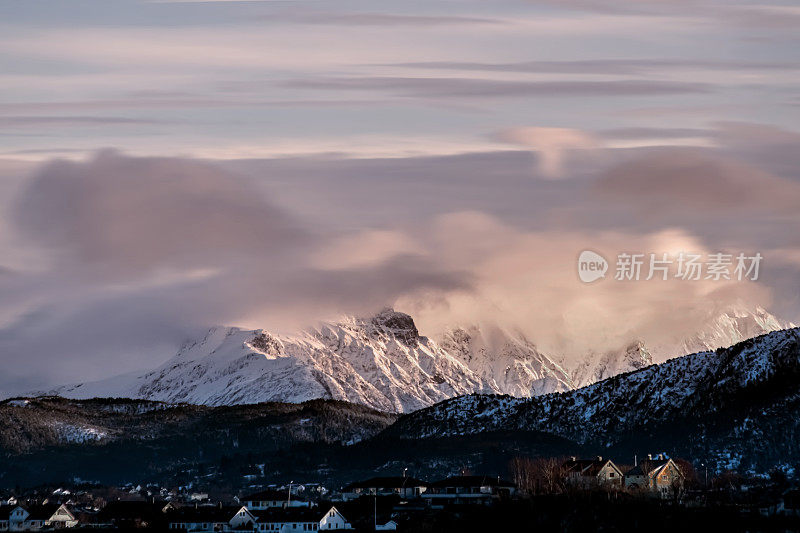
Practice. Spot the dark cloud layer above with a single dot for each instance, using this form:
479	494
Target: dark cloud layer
676	180
134	215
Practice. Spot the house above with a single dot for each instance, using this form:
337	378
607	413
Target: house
296	519
55	516
273	498
136	514
208	518
17	517
333	519
403	486
468	489
591	473
36	517
658	475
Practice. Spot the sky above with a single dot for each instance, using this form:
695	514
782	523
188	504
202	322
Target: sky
167	166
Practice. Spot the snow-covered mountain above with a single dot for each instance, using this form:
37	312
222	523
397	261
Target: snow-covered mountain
384	363
380	362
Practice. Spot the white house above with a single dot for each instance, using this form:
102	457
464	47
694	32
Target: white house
36	517
333	519
296	519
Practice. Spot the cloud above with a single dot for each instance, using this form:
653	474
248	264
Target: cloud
37	120
641	133
375	19
551	144
527	281
135	255
677	180
126	215
773	149
483	88
752	15
364	249
139	254
620	67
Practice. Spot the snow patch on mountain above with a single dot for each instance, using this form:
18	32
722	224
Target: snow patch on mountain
72	434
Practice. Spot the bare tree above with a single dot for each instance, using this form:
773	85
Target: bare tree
690	477
542	475
549	474
522	472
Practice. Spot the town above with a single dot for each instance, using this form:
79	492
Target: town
542	494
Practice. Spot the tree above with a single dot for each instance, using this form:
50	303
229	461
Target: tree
542	475
690	477
728	480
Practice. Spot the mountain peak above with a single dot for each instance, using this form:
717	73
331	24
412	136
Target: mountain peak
397	324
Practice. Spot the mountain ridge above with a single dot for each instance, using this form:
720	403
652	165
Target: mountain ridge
736	406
